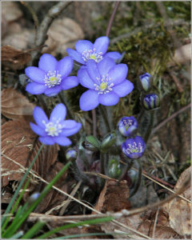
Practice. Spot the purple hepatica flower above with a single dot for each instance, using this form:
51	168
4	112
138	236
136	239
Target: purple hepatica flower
151	101
51	76
55	129
127	126
106	82
133	147
86	50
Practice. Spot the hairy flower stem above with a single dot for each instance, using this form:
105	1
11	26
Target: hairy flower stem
105	117
112	17
62	99
150	127
79	174
137	184
125	169
94	122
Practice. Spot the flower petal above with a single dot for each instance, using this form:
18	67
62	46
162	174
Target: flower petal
65	66
50	92
83	45
69	82
113	55
59	112
63	141
108	99
93	71
35	88
71	131
75	55
105	65
123	88
118	73
38	130
89	100
40	117
47	140
101	44
85	79
35	74
47	63
69	123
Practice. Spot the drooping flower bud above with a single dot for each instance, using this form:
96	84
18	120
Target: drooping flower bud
91	143
151	101
108	141
71	154
127	126
133	147
114	168
145	81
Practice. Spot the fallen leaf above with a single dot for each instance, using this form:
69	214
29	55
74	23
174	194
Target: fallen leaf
11	11
63	33
113	197
13	58
182	55
15	106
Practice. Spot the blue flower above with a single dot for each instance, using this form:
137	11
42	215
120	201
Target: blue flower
145	81
71	154
51	76
86	50
55	129
106	82
133	147
151	101
127	126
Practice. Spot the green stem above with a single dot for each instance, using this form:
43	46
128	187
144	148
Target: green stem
105	118
62	99
94	122
137	185
150	127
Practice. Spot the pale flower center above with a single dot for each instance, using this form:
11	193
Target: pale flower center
104	86
134	148
53	128
91	54
52	79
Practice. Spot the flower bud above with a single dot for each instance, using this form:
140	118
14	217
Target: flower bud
71	154
108	141
151	101
114	168
133	147
145	81
127	126
33	197
91	143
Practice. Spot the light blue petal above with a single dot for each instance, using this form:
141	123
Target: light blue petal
75	55
59	112
123	88
47	63
35	88
108	99
89	100
47	140
93	71
63	141
118	73
40	117
38	130
69	123
105	65
113	55
85	79
83	45
65	66
35	74
101	44
69	132
69	82
50	92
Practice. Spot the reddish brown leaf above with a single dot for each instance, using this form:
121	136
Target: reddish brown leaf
119	192
13	58
15	106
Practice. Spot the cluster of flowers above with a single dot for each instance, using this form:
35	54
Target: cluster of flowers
133	148
105	80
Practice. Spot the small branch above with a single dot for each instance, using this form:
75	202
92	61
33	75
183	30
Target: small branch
112	18
170	118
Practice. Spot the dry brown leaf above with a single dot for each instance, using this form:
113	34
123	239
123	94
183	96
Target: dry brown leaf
11	11
63	33
179	209
182	55
13	58
15	106
17	144
113	197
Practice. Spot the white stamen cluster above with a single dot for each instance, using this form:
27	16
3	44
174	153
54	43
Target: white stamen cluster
128	122
52	78
91	54
103	85
134	148
53	128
